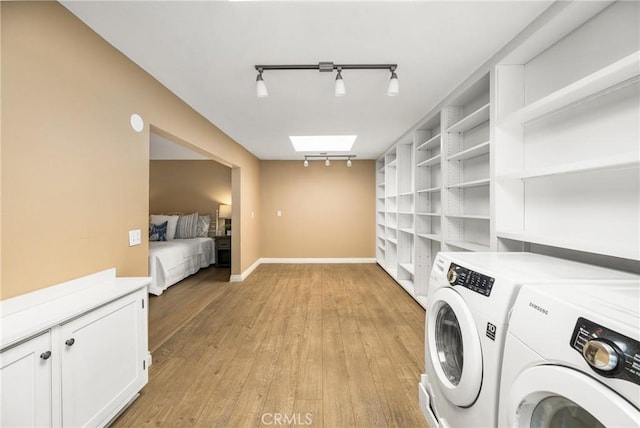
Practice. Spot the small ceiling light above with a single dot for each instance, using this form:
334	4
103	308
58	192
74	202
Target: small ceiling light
349	163
261	88
306	163
327	162
394	86
339	89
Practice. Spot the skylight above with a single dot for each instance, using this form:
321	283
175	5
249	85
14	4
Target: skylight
323	143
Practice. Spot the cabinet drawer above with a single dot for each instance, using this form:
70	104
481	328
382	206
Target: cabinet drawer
224	244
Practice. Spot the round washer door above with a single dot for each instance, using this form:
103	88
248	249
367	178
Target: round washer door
555	396
454	347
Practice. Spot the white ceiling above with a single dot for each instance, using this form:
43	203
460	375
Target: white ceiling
205	52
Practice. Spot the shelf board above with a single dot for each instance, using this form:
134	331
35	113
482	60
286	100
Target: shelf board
623	161
392	241
405	212
392	227
429	214
392	272
471	246
431	161
627	250
381	247
390	196
392	164
431	143
407	230
432	236
431	190
471	152
408	267
472	120
406	193
469	216
474	183
595	84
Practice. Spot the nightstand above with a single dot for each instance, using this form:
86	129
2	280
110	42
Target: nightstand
223	251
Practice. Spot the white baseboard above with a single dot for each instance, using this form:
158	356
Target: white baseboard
246	273
297	260
302	260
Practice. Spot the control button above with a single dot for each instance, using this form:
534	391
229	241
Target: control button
600	355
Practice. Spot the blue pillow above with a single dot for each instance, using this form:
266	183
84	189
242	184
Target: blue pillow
158	232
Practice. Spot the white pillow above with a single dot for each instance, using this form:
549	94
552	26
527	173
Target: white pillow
172	224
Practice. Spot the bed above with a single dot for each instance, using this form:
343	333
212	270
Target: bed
177	249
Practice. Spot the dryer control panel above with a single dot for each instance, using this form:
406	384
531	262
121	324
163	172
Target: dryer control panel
474	281
609	353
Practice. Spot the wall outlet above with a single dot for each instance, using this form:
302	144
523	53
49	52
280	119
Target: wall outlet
135	237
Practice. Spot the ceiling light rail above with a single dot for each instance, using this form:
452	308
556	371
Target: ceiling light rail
327	66
327	159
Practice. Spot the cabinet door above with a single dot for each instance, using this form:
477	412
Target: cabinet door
103	361
25	382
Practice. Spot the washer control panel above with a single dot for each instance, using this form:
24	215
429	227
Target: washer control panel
607	352
474	281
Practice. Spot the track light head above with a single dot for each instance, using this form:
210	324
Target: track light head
306	163
349	163
394	86
261	88
339	89
327	162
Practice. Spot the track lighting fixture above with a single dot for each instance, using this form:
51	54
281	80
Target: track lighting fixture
327	66
327	159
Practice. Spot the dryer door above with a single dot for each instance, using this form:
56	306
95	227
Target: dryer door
555	396
454	347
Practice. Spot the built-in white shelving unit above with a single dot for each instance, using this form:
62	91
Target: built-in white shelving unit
539	152
467	148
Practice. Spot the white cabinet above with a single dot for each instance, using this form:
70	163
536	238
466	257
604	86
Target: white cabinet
74	354
25	383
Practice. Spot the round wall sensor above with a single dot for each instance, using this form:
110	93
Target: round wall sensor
137	123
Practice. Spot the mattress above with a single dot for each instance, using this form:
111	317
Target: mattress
172	261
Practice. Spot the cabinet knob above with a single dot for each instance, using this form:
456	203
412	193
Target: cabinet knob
45	355
70	342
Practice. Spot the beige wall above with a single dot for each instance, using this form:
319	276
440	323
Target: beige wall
188	186
327	212
74	174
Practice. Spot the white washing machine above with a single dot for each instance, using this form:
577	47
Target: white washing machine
468	303
572	358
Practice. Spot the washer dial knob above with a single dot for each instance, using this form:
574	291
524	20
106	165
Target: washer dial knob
600	355
452	276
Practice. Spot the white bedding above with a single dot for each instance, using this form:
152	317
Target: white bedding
172	261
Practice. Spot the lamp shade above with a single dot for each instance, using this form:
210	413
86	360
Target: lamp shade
394	86
339	89
224	211
261	87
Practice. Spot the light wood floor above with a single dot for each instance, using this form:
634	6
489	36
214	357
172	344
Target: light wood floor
301	345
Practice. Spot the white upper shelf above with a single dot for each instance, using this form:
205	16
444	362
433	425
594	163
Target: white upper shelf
472	120
607	78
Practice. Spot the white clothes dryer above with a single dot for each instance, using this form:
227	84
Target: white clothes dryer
468	303
572	358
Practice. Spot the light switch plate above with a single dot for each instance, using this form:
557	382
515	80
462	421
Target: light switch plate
135	237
